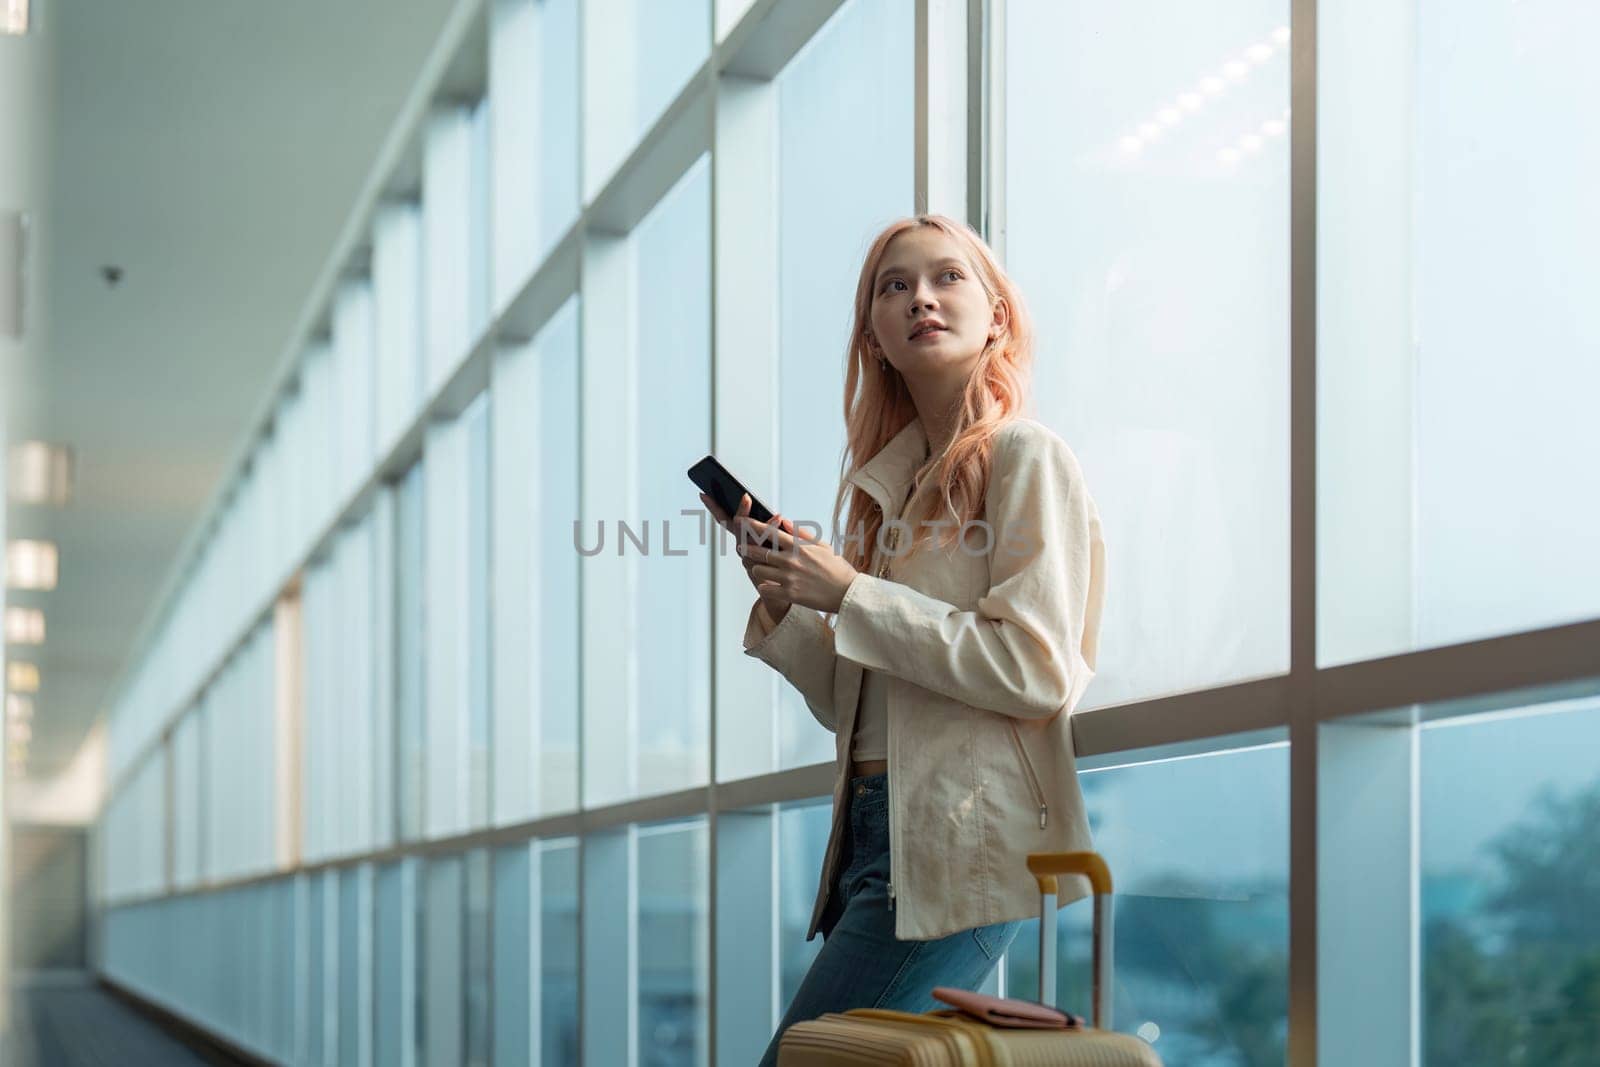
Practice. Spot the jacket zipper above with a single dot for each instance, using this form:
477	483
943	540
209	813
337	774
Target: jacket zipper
1033	779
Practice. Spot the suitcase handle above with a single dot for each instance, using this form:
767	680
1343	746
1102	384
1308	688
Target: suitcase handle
1046	868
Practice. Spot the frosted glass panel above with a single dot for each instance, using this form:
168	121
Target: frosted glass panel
827	214
673	576
1147	182
1458	341
535	470
479	725
671	40
411	656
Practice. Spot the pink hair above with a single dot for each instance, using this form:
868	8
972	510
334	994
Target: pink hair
878	404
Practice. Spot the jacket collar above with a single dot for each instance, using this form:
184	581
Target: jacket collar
887	476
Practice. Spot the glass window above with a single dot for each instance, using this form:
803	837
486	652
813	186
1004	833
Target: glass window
397	312
1147	226
671	40
802	839
449	611
479	723
636	66
673	577
1199	850
672	962
827	213
557	562
355	974
441	963
1456	161
393	948
410	657
558	120
1510	845
476	960
188	791
447	187
558	952
535	500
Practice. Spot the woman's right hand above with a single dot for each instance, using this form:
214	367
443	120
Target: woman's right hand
735	524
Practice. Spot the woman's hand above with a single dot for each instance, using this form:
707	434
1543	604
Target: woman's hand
737	524
792	569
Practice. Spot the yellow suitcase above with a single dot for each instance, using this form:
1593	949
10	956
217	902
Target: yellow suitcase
957	1039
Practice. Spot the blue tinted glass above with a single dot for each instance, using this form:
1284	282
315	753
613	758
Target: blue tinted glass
1199	851
1510	851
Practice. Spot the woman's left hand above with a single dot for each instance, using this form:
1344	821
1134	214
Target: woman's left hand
802	570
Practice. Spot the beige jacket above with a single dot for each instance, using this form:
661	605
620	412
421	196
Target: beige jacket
987	653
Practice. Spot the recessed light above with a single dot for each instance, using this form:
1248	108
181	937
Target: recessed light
18	708
31	565
22	677
38	472
14	17
24	626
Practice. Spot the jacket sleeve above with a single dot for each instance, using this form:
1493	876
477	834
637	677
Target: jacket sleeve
1028	650
800	648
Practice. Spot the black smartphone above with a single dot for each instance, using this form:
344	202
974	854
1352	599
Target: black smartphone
715	481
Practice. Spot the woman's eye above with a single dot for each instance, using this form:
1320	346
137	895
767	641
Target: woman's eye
952	270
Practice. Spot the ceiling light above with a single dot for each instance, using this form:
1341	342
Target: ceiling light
1280	36
24	626
19	732
19	708
39	473
14	16
31	565
22	677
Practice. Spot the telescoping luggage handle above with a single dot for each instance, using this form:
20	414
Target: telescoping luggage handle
1046	868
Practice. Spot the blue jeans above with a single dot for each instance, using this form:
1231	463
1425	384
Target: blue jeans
861	965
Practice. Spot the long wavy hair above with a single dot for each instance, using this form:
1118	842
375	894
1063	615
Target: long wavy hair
878	404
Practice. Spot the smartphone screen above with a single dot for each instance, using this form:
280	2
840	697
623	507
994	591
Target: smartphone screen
715	481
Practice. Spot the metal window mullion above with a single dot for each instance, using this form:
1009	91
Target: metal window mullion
1303	729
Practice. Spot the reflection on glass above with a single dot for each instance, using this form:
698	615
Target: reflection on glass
672	946
826	213
1199	850
1147	182
673	575
1510	850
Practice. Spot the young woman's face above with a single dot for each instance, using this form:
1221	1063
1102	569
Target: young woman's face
924	279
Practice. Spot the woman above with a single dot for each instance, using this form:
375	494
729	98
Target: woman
966	611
